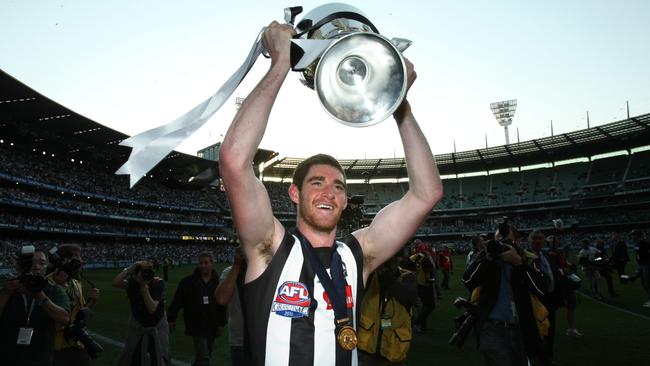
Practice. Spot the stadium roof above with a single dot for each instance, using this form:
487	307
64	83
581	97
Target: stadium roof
616	136
34	120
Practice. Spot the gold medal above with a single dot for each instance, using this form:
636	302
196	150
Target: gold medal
347	338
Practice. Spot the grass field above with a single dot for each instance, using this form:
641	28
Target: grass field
612	337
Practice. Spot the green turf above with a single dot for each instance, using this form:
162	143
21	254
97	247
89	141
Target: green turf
611	337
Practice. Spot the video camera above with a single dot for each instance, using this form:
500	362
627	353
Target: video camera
32	282
71	268
77	331
464	323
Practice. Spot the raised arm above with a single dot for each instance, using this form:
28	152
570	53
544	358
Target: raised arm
397	223
226	289
259	231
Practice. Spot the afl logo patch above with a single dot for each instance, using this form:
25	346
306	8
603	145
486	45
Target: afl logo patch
291	300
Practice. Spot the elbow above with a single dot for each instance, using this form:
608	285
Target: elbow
231	160
436	196
432	197
220	297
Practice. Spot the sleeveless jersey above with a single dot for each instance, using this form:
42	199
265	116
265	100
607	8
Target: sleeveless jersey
288	318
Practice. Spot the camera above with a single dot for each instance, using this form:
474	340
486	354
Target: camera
32	282
77	331
147	274
71	268
464	323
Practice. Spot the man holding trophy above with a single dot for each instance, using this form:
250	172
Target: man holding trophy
302	287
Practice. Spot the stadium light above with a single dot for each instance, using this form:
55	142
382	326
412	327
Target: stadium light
504	112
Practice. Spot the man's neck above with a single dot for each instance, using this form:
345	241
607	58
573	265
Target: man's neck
206	277
318	239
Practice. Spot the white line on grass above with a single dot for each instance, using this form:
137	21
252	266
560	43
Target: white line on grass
615	307
119	344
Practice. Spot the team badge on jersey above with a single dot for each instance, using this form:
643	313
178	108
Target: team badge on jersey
291	300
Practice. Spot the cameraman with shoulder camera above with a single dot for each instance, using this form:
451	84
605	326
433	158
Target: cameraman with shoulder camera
30	307
507	329
72	343
147	339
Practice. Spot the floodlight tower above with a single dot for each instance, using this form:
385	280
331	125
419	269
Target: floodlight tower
503	112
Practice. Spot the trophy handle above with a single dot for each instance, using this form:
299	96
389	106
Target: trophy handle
401	43
291	13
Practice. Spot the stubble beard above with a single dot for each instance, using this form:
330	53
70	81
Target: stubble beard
310	219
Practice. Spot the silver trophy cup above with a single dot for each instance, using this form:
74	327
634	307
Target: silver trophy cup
359	75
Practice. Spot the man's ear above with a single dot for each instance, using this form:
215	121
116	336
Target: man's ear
294	193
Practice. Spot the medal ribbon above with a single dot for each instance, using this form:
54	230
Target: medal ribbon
334	286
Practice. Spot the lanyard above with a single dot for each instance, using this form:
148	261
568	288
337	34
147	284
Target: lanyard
334	286
31	308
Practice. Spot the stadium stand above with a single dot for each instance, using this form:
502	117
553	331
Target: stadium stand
57	183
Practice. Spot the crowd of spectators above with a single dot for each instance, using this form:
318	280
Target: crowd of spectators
21	195
87	177
84	225
107	252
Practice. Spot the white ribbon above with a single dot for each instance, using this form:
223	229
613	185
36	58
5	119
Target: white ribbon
151	146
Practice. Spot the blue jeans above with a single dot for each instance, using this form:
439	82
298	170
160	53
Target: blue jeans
502	345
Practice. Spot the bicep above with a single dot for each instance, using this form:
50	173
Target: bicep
251	209
391	228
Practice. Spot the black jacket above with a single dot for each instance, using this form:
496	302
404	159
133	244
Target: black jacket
200	319
525	280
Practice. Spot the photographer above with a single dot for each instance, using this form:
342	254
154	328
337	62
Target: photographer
385	329
424	272
147	340
605	267
72	343
506	326
30	308
587	259
620	256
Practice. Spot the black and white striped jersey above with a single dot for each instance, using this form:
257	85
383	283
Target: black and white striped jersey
288	318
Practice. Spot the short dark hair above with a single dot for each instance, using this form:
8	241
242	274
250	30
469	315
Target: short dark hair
68	250
301	170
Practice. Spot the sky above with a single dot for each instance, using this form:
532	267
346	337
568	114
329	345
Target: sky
135	65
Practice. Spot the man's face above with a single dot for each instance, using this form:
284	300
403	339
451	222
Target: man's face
322	199
205	265
39	263
77	256
537	242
